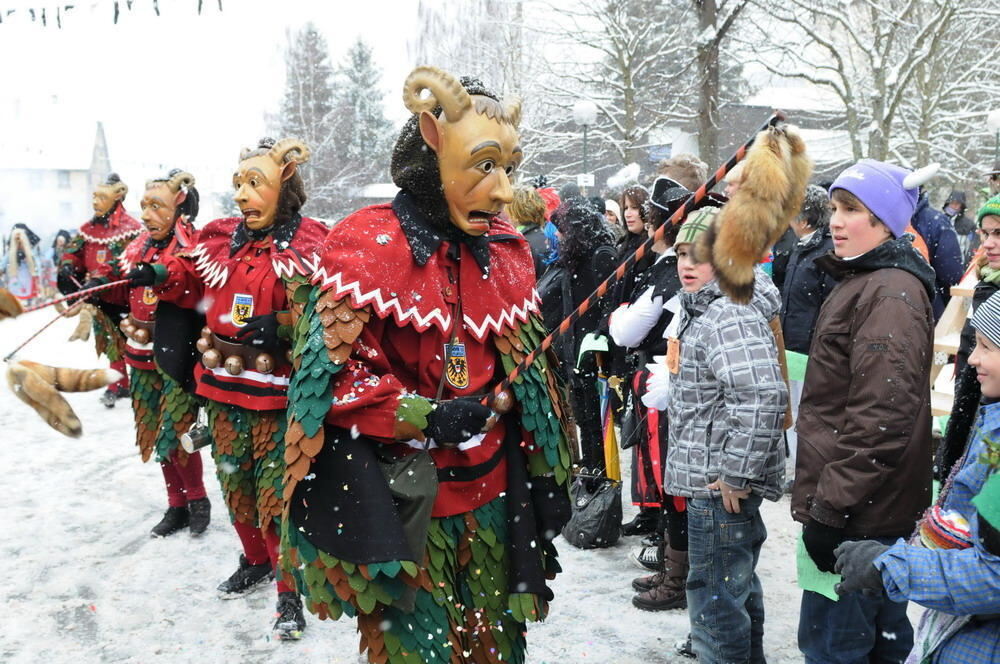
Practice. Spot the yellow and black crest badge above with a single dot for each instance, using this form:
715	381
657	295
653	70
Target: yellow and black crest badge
148	296
456	366
101	256
242	309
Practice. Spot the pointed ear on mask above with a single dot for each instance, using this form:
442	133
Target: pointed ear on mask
430	130
180	198
288	170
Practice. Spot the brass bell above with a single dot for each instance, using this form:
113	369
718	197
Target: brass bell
211	358
124	325
130	330
141	336
234	365
203	345
264	363
503	402
206	333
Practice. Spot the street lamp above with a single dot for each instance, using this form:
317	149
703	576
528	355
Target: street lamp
993	122
585	114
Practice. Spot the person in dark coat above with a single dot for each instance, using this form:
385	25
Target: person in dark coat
527	212
587	257
965	228
944	254
806	286
967	389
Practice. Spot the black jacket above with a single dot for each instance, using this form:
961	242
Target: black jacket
539	245
805	288
782	252
578	281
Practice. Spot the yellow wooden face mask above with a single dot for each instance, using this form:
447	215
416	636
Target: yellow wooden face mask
258	187
477	157
159	207
105	197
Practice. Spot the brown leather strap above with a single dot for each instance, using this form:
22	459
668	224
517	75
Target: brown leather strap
247	353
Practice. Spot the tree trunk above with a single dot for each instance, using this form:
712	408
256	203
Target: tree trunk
708	93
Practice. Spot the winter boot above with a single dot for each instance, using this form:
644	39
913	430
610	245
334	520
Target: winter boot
667	588
113	393
644	583
643	523
245	579
174	519
201	512
290	620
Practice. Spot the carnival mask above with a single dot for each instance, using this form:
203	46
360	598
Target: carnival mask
477	157
261	174
159	206
105	197
476	142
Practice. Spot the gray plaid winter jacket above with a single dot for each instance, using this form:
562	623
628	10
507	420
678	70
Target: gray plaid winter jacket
727	403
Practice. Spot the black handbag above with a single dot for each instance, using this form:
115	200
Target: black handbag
596	521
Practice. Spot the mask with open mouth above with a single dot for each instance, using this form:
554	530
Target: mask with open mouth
108	194
473	139
165	200
268	186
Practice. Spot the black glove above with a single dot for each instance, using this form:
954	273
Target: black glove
855	563
65	280
820	540
261	332
453	422
989	535
142	274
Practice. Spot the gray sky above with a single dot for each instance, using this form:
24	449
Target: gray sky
231	63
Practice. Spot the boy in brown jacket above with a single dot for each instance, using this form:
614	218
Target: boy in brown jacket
864	454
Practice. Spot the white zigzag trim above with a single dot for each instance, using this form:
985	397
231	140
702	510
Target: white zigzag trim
287	269
382	304
506	318
213	274
108	240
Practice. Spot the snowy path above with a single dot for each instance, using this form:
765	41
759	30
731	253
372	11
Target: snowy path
85	583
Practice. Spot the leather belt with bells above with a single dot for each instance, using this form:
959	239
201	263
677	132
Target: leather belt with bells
139	331
237	357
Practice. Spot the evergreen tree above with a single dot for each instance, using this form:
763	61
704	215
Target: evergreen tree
307	112
363	134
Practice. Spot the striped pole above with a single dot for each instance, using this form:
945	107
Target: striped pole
643	249
71	296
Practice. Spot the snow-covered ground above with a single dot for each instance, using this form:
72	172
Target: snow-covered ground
85	583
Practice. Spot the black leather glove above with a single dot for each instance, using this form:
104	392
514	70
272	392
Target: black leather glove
65	280
455	421
142	274
820	540
855	563
261	332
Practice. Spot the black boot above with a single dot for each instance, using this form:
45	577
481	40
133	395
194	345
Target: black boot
290	621
201	512
644	523
245	579
174	519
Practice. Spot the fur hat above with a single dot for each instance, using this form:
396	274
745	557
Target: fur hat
990	207
888	191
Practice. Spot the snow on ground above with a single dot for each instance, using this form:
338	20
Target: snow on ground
85	583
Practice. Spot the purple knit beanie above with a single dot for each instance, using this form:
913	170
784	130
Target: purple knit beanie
890	192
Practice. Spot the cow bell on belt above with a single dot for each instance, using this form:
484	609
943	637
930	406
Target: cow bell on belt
264	363
234	365
211	358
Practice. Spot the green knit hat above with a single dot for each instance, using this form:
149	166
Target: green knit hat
696	223
991	206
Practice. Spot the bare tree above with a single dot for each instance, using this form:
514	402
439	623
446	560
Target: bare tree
905	85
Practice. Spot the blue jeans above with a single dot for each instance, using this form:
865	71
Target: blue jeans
857	629
725	598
